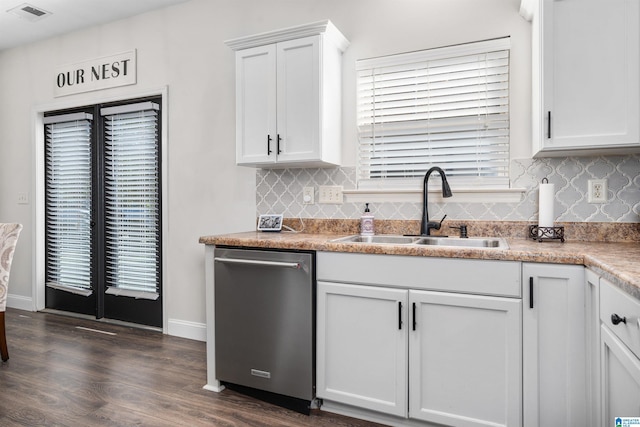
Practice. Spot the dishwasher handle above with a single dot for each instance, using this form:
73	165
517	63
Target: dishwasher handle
295	265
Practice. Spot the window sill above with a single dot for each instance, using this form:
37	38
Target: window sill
460	195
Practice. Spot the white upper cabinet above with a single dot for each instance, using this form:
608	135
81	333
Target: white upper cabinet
256	105
586	92
288	97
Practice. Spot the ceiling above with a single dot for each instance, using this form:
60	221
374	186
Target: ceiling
64	16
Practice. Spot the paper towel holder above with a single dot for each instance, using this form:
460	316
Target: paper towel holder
546	233
545	230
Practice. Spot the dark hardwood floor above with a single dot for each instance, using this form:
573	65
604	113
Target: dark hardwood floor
60	374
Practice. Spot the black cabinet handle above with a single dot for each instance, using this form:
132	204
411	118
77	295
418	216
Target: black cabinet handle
615	319
530	292
268	145
414	316
399	315
278	144
548	124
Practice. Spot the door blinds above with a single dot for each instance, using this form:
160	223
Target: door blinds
446	107
68	202
132	200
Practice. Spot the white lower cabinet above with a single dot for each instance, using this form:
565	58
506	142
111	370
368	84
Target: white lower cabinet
620	379
592	281
554	345
362	347
464	359
442	357
619	354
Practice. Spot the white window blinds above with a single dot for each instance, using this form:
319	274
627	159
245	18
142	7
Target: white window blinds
446	107
132	193
68	202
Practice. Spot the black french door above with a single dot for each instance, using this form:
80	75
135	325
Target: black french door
103	210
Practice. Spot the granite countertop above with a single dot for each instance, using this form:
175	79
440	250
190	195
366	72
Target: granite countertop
616	261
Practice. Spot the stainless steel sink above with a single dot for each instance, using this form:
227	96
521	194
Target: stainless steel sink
471	242
380	238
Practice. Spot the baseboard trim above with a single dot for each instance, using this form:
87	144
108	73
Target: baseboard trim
186	329
373	416
175	327
20	302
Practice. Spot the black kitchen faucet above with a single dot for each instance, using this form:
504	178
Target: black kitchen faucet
426	225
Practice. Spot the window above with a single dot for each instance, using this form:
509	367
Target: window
446	107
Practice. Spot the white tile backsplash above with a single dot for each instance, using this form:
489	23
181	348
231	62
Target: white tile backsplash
280	190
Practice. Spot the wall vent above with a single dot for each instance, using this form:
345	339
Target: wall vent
29	12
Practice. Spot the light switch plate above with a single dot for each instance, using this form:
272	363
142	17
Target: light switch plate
330	194
23	198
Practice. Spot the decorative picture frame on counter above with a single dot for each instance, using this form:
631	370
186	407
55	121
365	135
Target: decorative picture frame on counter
270	222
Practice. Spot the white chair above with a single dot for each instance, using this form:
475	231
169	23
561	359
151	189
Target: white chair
9	234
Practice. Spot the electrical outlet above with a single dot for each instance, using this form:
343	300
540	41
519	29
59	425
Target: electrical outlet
23	198
330	194
597	191
308	196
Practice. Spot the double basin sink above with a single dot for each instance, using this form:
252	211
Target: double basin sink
470	242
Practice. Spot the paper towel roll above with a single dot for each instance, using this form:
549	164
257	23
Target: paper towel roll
545	205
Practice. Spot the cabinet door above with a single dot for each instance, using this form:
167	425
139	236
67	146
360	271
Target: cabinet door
362	346
592	305
256	105
554	345
620	379
465	359
590	64
298	75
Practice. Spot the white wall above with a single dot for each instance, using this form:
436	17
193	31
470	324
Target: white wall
182	48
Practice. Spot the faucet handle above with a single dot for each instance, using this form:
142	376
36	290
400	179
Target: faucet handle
438	225
432	225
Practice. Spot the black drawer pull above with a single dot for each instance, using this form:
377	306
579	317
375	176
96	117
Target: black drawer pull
615	319
399	315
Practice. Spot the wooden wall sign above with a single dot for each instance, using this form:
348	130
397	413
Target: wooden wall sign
96	74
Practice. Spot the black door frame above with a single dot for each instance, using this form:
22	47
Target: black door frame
141	311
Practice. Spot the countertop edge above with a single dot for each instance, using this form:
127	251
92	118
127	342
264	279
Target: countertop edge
607	259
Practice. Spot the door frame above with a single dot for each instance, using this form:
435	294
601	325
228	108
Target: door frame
38	187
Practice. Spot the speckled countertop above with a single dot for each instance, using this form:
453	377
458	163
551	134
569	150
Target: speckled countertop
617	261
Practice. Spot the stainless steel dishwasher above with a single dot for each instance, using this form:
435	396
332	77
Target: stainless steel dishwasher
265	322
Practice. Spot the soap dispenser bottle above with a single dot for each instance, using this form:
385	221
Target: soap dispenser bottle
366	222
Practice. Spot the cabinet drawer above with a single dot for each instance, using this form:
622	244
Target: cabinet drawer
482	277
614	301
